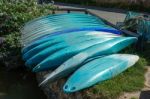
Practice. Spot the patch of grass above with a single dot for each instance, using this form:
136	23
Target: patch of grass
130	80
145	53
134	98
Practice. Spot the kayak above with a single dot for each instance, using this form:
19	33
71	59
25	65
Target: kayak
108	47
56	20
63	44
53	24
68	36
50	57
35	37
99	70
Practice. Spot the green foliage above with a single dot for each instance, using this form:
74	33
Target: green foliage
13	15
134	98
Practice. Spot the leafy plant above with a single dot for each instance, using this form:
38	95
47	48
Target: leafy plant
13	14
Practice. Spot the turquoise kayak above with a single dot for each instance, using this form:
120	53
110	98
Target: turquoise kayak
68	36
46	28
49	58
99	70
68	30
55	25
56	17
57	20
108	47
63	44
48	49
76	61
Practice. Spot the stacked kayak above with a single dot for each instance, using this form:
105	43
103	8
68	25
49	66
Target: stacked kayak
109	47
60	24
80	32
75	43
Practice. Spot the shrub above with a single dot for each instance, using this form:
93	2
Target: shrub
13	14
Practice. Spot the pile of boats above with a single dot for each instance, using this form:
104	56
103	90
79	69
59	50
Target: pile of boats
79	46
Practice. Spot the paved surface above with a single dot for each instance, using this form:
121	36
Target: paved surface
111	15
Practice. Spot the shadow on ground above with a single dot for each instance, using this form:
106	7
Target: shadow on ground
145	94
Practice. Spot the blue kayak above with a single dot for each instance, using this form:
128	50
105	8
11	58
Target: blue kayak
99	70
56	20
64	31
55	17
68	38
55	25
108	47
54	58
64	43
64	37
35	56
76	61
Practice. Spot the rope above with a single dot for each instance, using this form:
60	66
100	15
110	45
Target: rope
138	23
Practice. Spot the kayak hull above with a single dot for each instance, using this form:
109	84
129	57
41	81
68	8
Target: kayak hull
54	25
98	71
105	48
56	59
